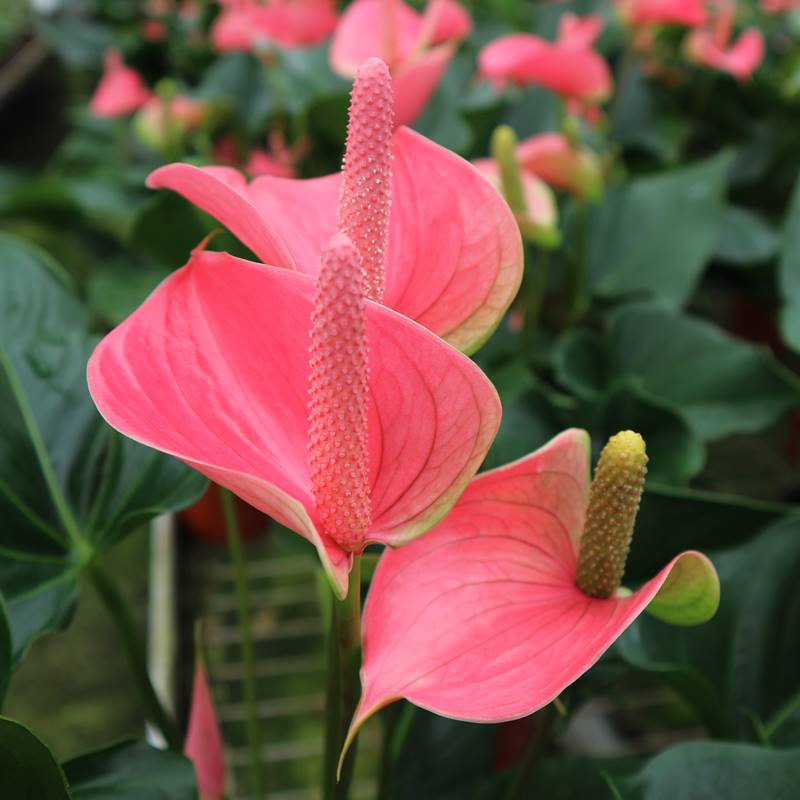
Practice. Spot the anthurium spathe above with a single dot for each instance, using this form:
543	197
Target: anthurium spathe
121	90
688	13
453	260
371	437
484	618
247	24
203	743
416	47
553	158
569	66
712	46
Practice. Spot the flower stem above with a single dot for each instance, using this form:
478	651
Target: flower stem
535	285
342	685
246	640
545	721
577	299
132	643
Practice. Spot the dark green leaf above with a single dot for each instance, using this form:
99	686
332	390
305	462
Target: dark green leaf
745	238
720	384
28	770
239	81
167	229
5	650
715	771
640	120
69	486
747	659
444	760
789	272
655	234
131	771
673	519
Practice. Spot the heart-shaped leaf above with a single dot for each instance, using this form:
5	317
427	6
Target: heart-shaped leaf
656	233
131	771
705	770
70	487
27	767
744	666
720	384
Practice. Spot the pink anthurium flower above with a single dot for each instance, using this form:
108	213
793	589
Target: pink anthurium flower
278	160
416	47
712	46
483	619
244	24
779	6
557	161
160	120
370	438
454	256
688	13
203	745
569	66
121	90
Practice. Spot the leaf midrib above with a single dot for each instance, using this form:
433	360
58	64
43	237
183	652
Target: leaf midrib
56	495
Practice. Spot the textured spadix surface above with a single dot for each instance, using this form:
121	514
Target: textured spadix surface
454	258
214	368
481	619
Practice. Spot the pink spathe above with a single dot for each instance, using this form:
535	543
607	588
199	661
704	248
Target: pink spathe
121	90
453	257
417	47
712	47
203	745
554	159
245	24
214	369
688	13
481	619
568	66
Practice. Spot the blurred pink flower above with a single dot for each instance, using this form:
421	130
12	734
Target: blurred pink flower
121	90
242	24
278	160
160	120
417	47
540	222
203	745
555	160
712	46
569	66
779	6
662	12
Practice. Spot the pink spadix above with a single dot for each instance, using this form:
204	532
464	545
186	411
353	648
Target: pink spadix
453	255
338	447
366	193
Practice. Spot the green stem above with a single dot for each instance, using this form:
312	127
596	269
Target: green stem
342	685
535	285
577	269
246	640
545	721
133	645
